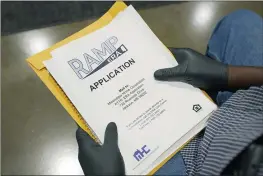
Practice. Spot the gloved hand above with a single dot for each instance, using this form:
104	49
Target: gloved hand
100	160
195	69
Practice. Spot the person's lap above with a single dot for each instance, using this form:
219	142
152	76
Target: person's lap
236	40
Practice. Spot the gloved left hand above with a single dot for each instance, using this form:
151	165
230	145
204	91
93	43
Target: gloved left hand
196	69
98	159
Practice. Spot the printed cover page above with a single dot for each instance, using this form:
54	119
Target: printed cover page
108	76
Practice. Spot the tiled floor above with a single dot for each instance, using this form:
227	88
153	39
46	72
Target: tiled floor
38	136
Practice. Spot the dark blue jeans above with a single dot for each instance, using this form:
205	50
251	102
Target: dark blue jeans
236	40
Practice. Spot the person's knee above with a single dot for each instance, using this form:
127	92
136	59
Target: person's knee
242	18
238	35
238	23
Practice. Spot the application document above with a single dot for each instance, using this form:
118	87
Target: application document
108	76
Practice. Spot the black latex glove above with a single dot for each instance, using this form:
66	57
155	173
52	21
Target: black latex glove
195	69
98	159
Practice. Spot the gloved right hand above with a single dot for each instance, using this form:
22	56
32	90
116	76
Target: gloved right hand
195	69
98	159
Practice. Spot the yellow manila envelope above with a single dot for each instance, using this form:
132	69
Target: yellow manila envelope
36	63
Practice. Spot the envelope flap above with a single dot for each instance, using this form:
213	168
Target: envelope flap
37	60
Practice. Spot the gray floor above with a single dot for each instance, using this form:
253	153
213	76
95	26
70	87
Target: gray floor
38	136
21	16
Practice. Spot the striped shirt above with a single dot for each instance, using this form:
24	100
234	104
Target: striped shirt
235	125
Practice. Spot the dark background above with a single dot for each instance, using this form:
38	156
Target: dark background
19	16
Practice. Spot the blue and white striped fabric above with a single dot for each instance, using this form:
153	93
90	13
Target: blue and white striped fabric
237	123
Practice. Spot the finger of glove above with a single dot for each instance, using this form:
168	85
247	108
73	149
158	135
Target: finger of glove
179	54
83	138
111	135
166	74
